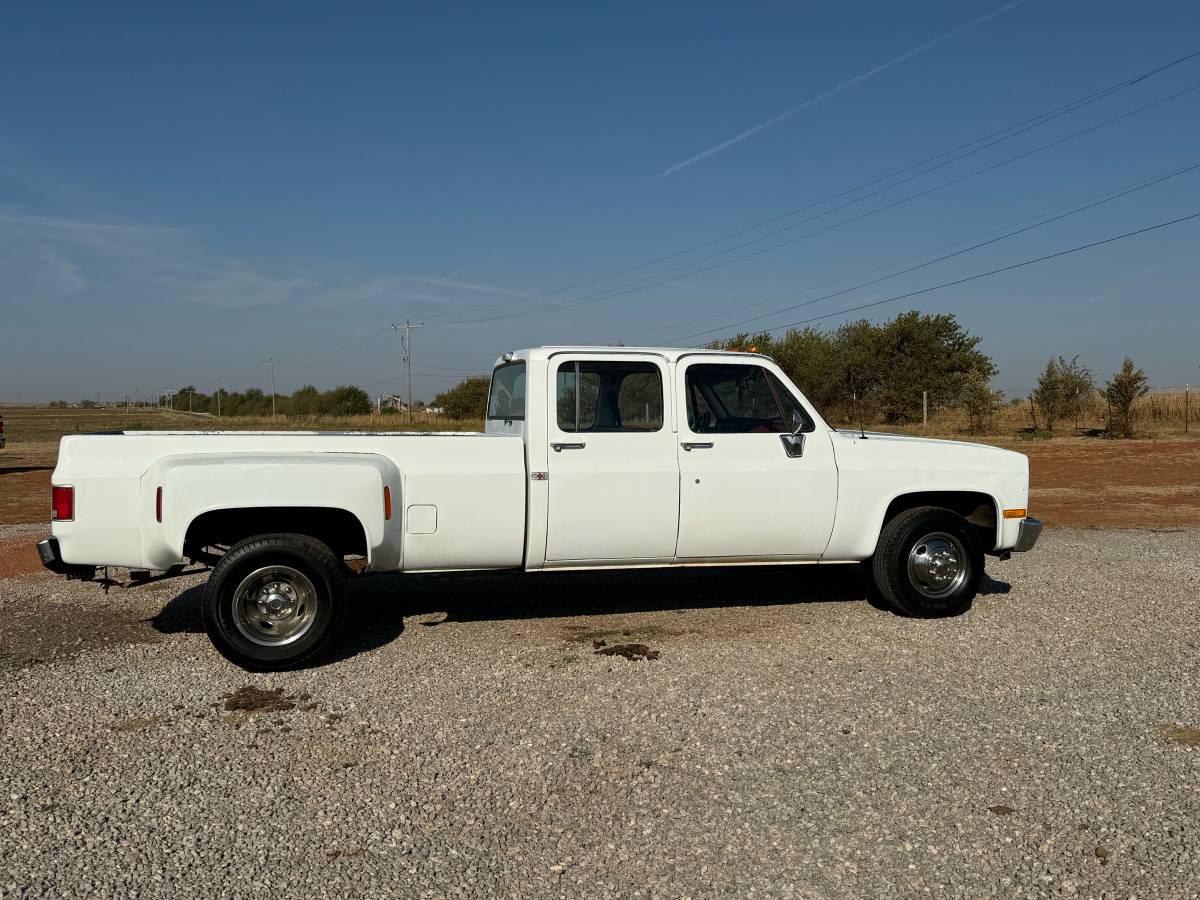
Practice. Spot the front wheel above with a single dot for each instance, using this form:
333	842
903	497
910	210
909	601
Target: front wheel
929	562
275	601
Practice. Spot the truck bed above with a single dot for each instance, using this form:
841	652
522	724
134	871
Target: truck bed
457	499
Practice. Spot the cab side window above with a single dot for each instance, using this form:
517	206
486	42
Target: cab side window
506	398
740	399
608	396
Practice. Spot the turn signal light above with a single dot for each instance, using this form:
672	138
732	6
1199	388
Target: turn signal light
62	503
1014	513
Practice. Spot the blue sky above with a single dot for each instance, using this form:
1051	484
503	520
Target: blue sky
184	193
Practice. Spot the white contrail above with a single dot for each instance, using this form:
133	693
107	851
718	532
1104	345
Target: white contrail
833	91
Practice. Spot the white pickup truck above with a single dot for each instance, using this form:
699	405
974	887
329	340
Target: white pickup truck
591	458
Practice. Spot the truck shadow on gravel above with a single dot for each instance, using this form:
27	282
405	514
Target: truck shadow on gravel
379	604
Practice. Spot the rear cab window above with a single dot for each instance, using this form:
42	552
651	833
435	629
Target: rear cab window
506	398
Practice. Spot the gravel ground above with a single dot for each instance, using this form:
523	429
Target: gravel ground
790	739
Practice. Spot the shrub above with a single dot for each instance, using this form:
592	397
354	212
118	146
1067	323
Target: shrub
466	400
1125	387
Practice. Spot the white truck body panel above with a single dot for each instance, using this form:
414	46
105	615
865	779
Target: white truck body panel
476	483
657	494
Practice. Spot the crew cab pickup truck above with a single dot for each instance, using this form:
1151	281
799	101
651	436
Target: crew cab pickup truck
591	458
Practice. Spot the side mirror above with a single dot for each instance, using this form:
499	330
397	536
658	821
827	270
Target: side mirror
793	444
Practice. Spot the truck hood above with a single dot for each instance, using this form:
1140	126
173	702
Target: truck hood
922	452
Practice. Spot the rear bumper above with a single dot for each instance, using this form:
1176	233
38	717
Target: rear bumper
1031	530
52	560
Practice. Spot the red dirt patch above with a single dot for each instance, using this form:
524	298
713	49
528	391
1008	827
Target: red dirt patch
1094	482
24	496
18	556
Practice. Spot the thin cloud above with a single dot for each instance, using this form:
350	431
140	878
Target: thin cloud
176	266
837	89
63	274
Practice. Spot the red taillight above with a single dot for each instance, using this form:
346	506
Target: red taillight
158	504
62	503
387	502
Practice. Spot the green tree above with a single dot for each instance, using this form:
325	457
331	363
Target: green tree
980	402
467	399
1126	386
1048	395
876	370
1078	388
346	400
305	401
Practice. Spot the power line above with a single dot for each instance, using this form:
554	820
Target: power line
419	374
343	352
1082	207
979	275
987	140
876	268
634	287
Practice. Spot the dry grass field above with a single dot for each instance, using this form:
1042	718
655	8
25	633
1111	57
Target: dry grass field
1076	480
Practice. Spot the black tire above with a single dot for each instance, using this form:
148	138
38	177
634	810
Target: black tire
299	575
928	563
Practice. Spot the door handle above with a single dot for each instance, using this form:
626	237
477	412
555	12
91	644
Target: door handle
560	447
698	445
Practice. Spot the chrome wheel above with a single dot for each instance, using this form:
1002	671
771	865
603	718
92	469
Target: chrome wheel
937	565
274	606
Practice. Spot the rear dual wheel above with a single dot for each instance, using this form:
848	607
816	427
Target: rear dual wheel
275	601
928	563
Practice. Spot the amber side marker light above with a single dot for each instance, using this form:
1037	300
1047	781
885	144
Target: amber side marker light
158	504
1014	513
387	503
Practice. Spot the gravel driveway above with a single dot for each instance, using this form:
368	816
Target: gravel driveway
469	740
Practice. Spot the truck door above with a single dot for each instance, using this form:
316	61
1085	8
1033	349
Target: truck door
613	476
747	489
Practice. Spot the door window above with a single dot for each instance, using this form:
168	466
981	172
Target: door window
608	396
740	399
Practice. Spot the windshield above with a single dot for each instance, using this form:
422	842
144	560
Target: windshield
506	401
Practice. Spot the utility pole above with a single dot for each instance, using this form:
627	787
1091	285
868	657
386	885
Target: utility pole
272	360
406	346
218	398
924	410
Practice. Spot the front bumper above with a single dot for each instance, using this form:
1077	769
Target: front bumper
1031	530
52	560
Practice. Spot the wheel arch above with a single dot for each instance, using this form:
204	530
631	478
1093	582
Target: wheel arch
336	527
979	508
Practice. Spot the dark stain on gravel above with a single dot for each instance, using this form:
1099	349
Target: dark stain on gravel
251	699
48	631
1002	810
629	651
1187	735
582	634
